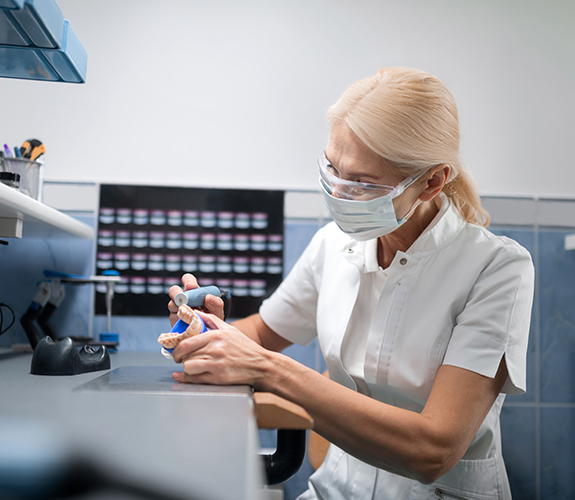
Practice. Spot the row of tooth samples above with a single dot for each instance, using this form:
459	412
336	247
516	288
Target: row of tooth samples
190	218
188	263
190	240
160	286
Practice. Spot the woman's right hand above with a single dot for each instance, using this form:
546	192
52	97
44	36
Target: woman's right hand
212	304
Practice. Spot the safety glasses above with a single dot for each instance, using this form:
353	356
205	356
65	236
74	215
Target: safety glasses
351	190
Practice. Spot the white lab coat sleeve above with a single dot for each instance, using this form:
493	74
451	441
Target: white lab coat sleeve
496	319
292	309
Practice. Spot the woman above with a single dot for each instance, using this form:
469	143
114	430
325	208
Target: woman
422	315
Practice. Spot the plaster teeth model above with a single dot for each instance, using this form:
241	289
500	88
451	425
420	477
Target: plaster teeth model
187	315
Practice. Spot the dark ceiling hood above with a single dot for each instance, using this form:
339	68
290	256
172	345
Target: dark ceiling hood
37	43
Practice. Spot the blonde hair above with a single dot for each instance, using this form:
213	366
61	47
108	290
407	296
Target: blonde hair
409	118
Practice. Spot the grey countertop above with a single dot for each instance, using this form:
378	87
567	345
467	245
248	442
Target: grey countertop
192	440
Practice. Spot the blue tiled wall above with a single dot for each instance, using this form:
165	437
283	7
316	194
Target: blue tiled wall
538	427
557	429
556	388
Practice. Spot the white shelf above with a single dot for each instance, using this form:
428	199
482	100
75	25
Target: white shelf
37	219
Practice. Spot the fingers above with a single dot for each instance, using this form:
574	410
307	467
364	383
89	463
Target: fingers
201	378
196	370
173	317
181	377
212	321
190	282
172	307
203	371
189	346
214	305
174	290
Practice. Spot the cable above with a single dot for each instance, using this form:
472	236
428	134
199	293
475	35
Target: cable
2	331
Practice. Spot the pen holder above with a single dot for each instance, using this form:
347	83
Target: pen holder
31	175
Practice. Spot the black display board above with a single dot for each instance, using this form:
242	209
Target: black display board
151	235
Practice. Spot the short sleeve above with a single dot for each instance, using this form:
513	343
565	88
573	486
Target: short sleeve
291	310
496	319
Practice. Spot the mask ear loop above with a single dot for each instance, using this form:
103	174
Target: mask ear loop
401	188
405	183
408	214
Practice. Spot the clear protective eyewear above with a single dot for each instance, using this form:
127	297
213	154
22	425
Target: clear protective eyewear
351	190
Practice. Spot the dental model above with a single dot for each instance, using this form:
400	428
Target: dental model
195	326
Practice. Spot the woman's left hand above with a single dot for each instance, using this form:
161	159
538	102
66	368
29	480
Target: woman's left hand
222	356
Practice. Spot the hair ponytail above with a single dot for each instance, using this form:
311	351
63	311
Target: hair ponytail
462	193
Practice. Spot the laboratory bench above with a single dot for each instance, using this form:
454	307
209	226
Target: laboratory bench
136	424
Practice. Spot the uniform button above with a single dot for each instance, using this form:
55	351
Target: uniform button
403	261
350	250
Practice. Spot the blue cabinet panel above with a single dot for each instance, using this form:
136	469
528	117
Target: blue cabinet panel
37	43
11	4
10	31
42	21
71	61
25	64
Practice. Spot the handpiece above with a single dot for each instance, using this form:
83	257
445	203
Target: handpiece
197	297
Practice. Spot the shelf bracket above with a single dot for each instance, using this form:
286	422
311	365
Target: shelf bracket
11	227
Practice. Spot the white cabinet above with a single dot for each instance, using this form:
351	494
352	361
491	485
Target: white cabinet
22	216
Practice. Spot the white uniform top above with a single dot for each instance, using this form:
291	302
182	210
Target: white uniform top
459	296
354	342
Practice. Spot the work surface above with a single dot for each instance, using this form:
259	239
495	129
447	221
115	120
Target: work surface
193	441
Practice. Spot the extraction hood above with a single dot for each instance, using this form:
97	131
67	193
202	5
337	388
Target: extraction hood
37	43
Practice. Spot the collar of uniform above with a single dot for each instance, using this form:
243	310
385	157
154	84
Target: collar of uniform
353	251
446	224
370	262
362	254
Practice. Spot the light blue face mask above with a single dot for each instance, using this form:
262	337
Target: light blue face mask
363	219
